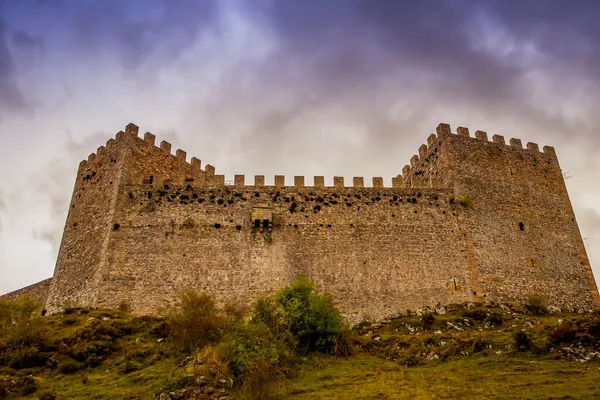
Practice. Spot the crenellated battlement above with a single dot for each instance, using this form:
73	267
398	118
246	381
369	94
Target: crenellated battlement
443	131
132	133
298	182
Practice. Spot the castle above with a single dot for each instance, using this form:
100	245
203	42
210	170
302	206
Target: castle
468	220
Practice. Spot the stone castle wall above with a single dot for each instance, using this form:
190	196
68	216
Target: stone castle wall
375	251
37	291
468	219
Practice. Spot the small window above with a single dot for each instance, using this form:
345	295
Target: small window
521	226
257	223
265	223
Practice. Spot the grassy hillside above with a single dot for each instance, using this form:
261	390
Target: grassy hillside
469	351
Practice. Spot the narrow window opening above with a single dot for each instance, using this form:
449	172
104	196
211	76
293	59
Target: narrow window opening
521	226
455	287
257	223
265	223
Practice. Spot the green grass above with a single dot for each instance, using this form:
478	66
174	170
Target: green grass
108	383
479	377
117	355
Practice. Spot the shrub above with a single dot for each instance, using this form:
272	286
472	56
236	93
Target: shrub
495	318
254	344
91	352
196	322
312	319
427	319
27	386
67	368
161	330
69	321
269	312
536	304
410	360
179	382
105	330
129	366
594	330
46	396
258	383
563	333
522	341
479	345
234	313
476	314
25	357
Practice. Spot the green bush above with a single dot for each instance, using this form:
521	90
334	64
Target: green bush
536	304
312	319
196	322
255	343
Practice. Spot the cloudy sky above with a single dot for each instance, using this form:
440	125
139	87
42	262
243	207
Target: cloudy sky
328	87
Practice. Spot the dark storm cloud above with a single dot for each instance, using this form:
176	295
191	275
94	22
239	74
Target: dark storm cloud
137	30
353	43
11	96
23	39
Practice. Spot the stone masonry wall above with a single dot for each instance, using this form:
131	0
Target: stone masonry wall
80	260
38	291
375	251
517	218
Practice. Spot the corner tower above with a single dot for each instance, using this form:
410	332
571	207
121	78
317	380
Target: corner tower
515	215
81	267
